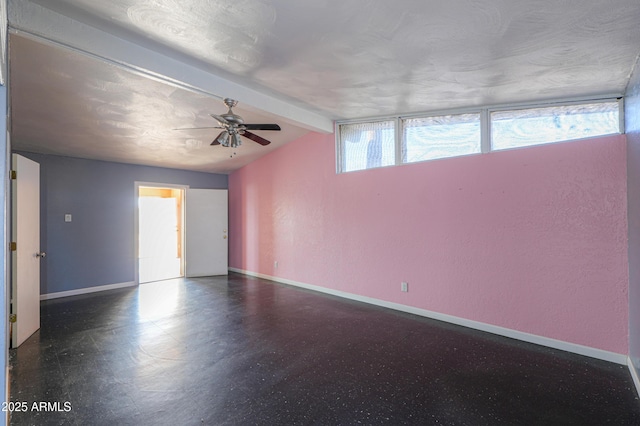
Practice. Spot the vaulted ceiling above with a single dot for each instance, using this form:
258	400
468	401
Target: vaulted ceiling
112	80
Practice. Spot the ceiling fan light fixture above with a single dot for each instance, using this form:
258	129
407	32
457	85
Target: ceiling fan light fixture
223	139
236	141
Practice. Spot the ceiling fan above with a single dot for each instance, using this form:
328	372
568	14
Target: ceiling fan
234	126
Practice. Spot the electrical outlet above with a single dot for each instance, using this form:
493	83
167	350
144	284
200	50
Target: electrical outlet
404	286
275	264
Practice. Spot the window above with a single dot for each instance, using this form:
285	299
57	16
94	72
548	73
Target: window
394	141
429	138
367	145
510	129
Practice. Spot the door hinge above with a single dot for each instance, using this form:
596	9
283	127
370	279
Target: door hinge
13	318
13	246
14	174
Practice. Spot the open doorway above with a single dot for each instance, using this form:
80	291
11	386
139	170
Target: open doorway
160	248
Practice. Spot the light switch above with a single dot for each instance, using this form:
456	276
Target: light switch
67	217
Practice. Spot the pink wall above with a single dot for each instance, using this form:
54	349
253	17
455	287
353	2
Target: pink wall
532	239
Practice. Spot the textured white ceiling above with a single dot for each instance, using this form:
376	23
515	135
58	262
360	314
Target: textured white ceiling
339	58
70	104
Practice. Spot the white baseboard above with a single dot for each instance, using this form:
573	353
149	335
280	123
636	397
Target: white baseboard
502	331
634	374
86	290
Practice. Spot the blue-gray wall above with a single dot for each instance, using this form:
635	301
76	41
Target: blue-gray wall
632	124
98	246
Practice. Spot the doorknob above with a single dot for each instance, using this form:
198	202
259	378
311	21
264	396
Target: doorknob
41	254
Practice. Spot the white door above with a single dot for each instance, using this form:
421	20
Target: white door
206	232
25	263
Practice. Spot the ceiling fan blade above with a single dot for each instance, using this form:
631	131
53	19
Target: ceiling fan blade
215	141
198	128
256	138
262	127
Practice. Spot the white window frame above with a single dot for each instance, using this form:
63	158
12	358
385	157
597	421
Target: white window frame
402	119
340	151
485	125
519	107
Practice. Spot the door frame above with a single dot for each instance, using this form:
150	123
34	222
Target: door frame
136	229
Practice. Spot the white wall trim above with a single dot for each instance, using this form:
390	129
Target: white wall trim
501	331
634	374
86	290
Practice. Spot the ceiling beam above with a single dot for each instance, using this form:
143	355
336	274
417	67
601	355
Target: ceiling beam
40	22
